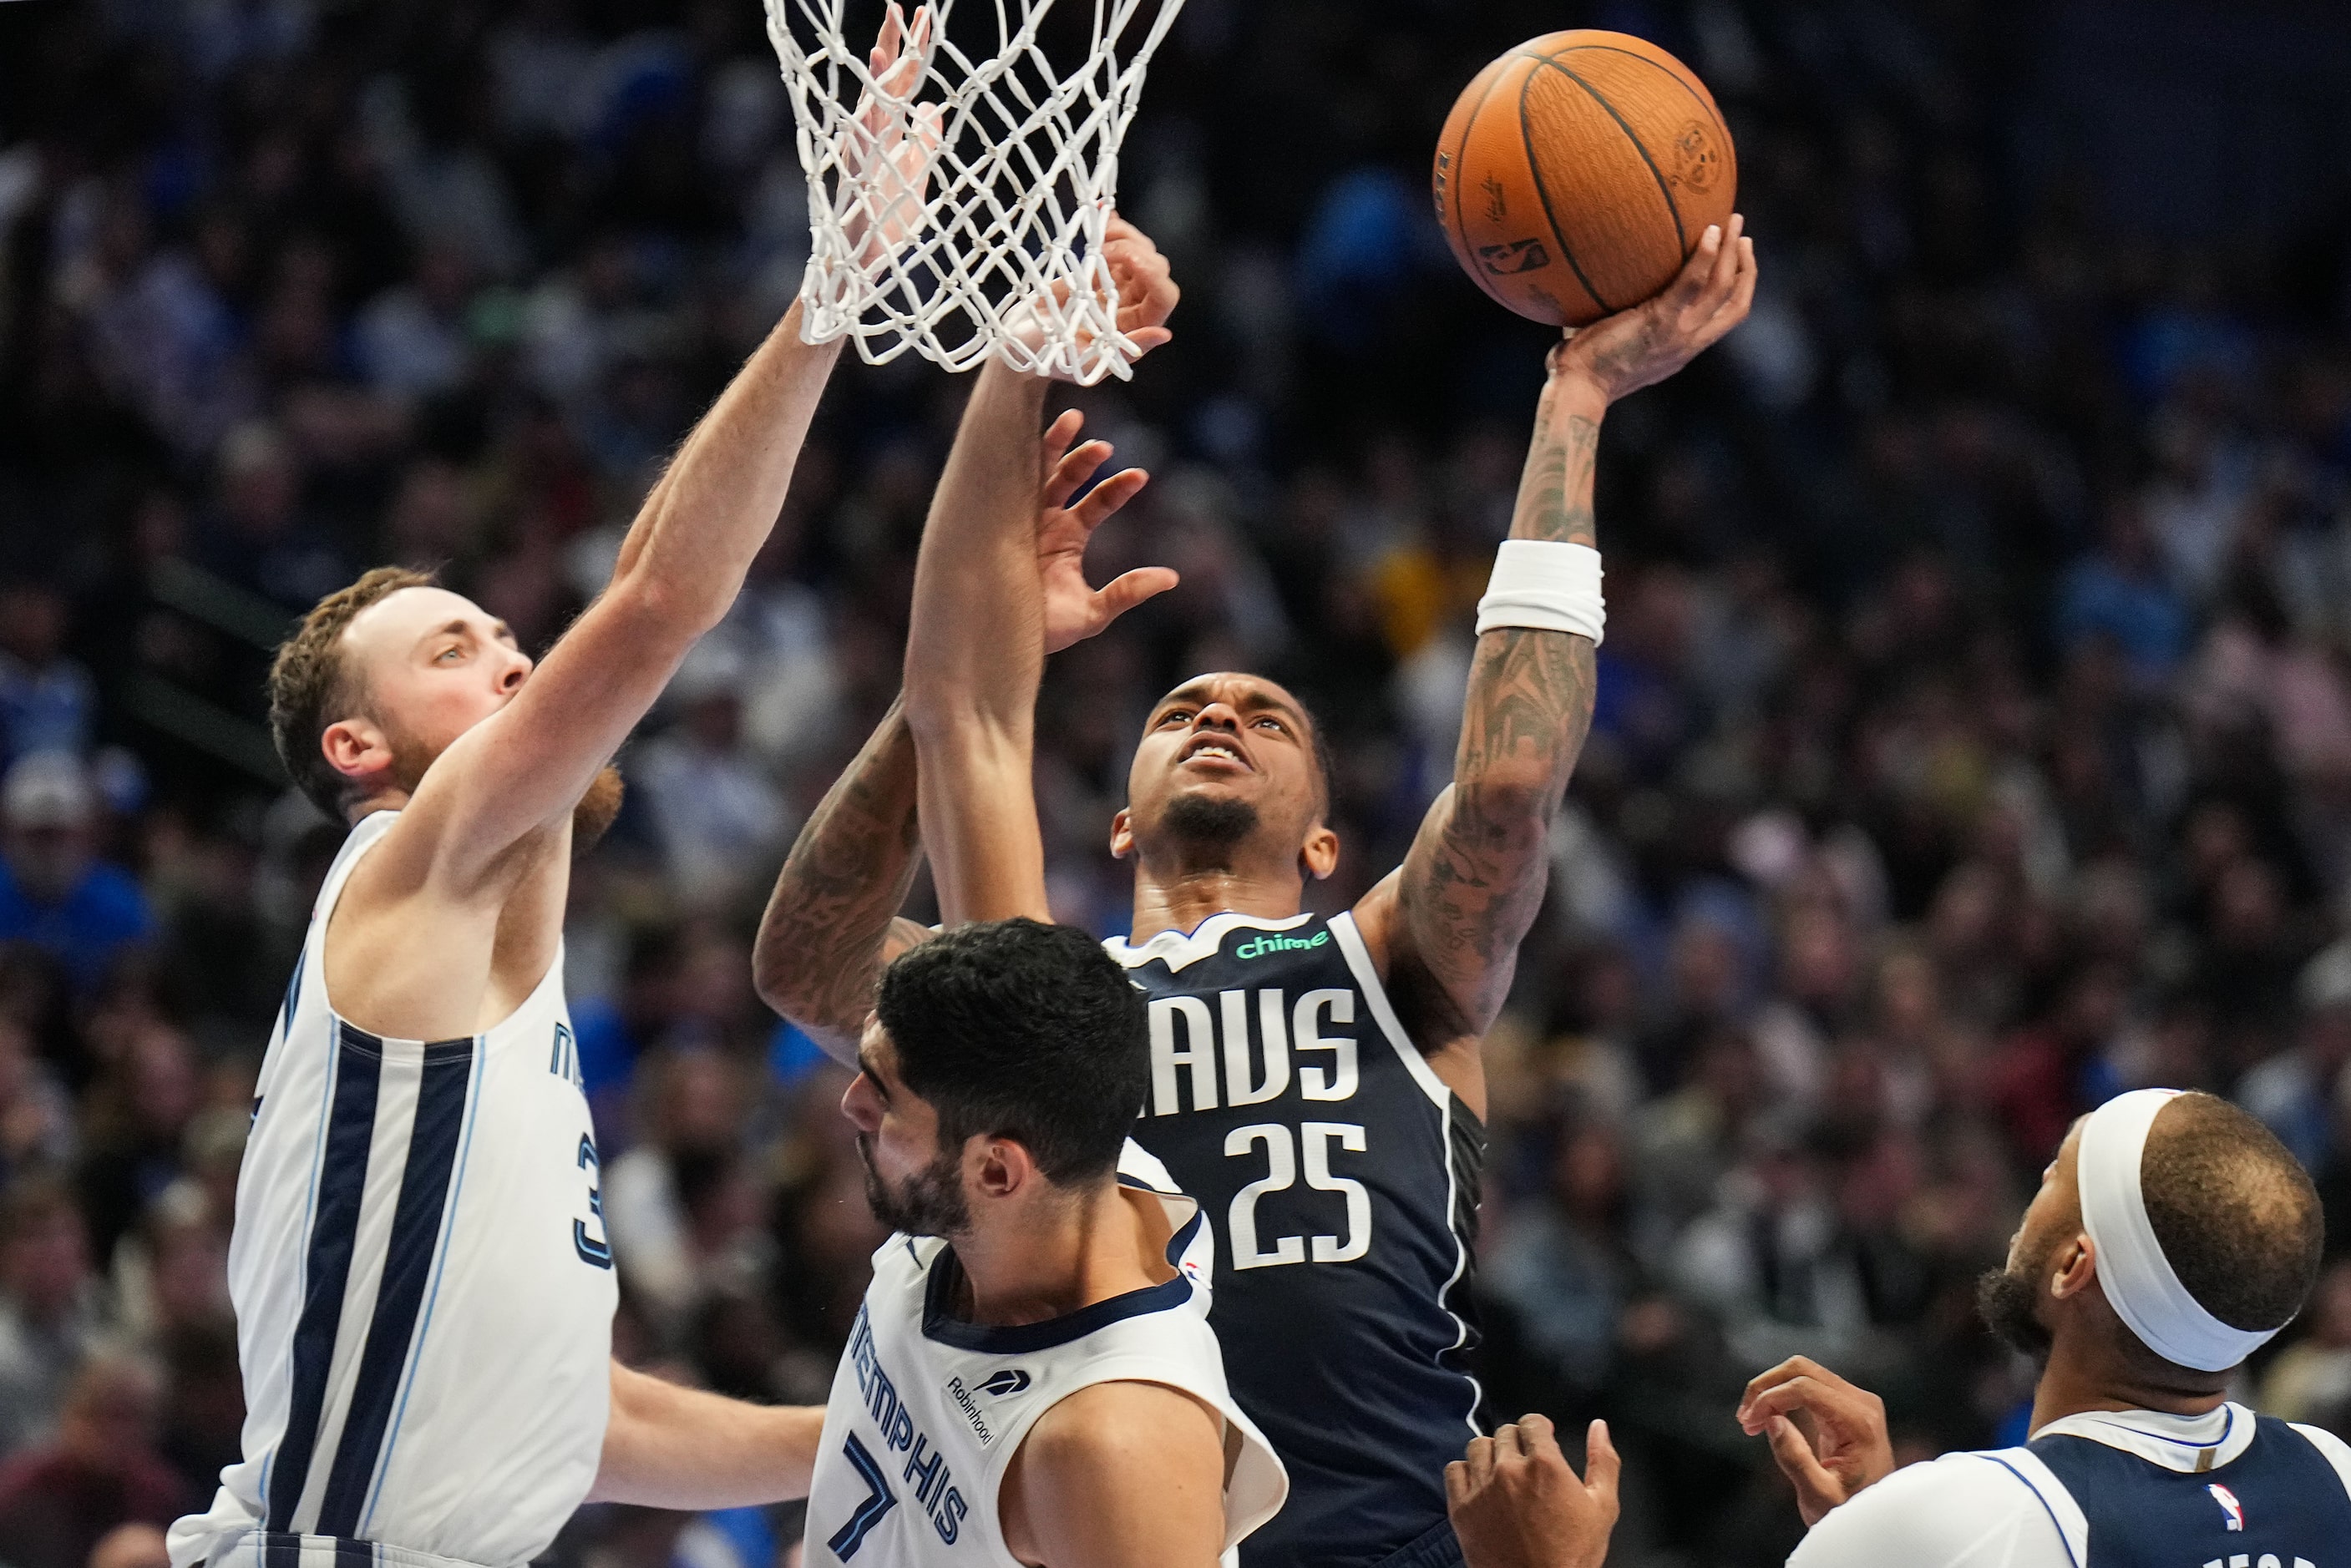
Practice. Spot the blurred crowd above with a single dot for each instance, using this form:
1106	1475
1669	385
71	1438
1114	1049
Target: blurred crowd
1974	730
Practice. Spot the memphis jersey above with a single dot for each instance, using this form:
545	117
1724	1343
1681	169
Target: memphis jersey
1341	1177
928	1409
424	1293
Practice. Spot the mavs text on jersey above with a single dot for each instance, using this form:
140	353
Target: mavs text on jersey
1339	1176
423	1288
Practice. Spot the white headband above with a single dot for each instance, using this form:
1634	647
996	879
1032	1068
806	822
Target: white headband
2135	1275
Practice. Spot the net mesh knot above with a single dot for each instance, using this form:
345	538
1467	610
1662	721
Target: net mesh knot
995	248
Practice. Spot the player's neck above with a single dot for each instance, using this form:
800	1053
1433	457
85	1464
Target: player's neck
2082	1379
382	800
1053	1260
1179	897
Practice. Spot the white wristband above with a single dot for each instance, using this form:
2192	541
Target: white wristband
1544	585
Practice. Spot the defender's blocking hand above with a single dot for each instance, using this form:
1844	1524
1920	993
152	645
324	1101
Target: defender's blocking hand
1074	612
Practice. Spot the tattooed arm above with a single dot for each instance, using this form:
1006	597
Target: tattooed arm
832	924
1448	922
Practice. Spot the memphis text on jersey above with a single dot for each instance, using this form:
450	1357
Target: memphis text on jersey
926	1470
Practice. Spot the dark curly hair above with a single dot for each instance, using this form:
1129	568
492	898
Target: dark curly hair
1020	1030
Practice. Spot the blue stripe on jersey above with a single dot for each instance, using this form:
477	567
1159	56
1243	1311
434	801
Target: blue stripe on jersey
326	1272
407	1265
293	991
2054	1523
456	1197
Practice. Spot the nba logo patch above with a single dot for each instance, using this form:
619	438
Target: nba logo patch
2228	1505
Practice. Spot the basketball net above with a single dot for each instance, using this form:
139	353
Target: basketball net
995	249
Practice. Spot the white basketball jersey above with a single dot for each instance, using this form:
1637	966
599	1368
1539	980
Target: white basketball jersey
927	1410
424	1293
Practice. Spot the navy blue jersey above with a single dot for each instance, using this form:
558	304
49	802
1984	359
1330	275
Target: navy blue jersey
1340	1176
2279	1502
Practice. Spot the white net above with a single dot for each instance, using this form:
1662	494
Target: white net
990	240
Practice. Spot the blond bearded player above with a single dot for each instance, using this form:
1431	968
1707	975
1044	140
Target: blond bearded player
423	1290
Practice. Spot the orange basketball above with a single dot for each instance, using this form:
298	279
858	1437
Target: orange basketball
1576	173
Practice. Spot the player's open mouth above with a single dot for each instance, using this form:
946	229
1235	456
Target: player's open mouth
1210	748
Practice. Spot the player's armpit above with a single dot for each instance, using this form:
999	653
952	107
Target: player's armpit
1118	1475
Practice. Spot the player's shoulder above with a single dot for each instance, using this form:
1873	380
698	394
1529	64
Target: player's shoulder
2334	1449
1962	1510
1119	1426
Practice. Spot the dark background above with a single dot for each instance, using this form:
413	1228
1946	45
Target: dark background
1974	734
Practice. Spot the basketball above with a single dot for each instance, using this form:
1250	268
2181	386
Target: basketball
1576	173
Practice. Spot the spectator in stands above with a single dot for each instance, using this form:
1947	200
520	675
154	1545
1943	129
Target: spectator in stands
48	700
50	1310
58	1500
54	891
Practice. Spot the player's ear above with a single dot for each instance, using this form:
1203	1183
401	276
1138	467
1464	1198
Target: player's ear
1121	836
1320	855
1000	1166
2072	1268
356	748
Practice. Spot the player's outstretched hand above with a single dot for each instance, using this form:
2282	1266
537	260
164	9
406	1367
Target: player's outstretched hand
890	159
1074	612
1828	1434
1516	1502
1643	345
1147	285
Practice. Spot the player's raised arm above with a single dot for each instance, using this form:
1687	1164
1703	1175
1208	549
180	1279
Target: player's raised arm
679	569
832	924
1474	880
976	644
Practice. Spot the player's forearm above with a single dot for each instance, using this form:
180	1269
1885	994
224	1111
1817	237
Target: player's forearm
827	931
974	653
1531	691
693	539
671	1447
1474	881
979	824
975	647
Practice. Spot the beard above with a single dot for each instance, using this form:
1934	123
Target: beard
592	816
1209	828
2006	1297
930	1203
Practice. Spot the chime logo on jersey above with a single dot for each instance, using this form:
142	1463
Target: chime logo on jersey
1273	943
2228	1505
